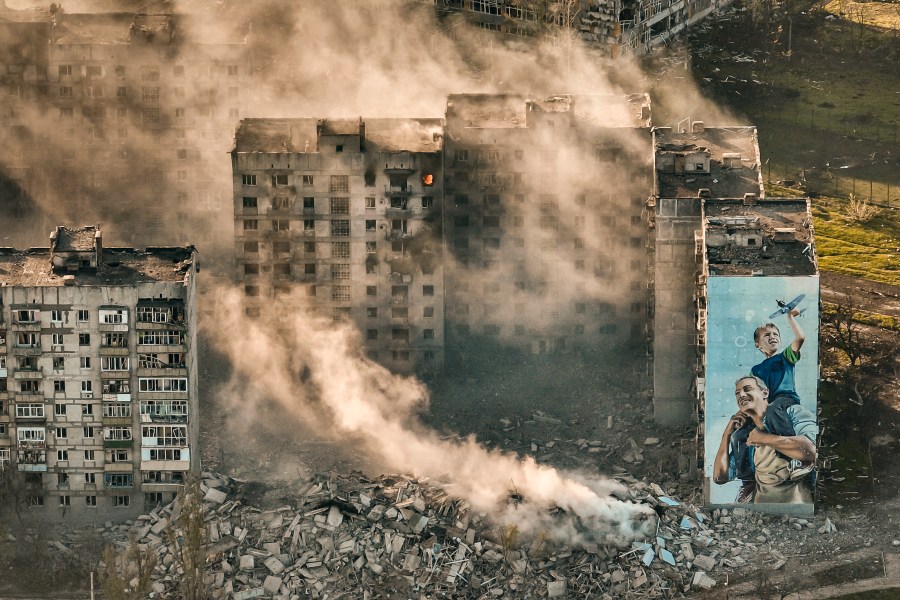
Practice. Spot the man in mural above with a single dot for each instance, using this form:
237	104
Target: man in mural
777	372
781	445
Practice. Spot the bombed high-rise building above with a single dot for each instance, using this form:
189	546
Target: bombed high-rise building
98	375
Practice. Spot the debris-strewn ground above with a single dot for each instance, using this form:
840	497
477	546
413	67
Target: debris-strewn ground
354	537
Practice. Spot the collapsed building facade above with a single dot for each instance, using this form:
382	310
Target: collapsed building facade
98	375
431	234
99	102
549	225
614	27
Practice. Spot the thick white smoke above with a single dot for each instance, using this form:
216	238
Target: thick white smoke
316	371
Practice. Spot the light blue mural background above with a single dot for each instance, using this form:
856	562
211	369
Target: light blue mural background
736	306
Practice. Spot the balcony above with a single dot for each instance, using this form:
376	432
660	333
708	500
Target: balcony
118	444
114	351
32	456
31	413
29	374
116	397
118	467
396	191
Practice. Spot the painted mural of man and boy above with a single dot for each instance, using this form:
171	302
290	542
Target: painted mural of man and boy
769	444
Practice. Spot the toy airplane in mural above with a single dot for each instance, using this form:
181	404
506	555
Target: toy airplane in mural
786	307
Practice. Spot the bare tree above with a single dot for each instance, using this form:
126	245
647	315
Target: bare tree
14	490
188	537
127	577
841	331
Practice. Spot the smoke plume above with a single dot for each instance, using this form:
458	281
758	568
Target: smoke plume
316	372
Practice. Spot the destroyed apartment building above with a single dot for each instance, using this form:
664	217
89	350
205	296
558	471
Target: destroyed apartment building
429	232
546	224
614	27
95	102
98	375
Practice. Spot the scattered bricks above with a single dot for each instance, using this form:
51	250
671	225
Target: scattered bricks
247	562
272	584
248	594
556	589
687	551
376	513
707	582
617	576
273	548
160	526
411	562
335	518
704	562
274	565
778	565
213	495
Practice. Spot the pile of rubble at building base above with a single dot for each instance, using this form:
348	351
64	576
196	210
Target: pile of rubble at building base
353	537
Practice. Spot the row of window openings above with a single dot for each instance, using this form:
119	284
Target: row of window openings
402	355
107	316
604	309
400	335
546	222
110	409
336	206
108	340
339	227
336	183
149	115
66	501
147	74
520	329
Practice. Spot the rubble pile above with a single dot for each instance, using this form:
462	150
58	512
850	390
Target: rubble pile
353	537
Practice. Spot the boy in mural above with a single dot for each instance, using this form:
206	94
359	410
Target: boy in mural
777	372
781	436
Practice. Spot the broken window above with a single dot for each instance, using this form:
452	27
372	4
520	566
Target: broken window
428	334
428	290
461	199
399	312
340	228
399	293
65	70
282	269
279	180
339	183
65	91
309	247
491	221
282	203
400	335
399	203
370	225
461	155
428	312
372	312
248	179
114	363
427	202
251	225
307	180
281	224
150	94
340	293
309	225
492	199
251	269
249	202
84	339
309	269
340	271
371	290
340	206
371	334
370	202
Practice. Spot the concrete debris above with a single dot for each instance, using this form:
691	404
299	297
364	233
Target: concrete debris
828	527
349	536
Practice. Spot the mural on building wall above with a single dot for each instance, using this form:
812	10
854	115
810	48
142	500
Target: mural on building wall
761	375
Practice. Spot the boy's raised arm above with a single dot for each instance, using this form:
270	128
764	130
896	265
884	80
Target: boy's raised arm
799	337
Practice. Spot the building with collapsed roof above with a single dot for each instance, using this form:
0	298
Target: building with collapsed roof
615	28
342	217
98	375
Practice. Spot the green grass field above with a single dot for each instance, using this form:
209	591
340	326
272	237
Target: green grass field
824	95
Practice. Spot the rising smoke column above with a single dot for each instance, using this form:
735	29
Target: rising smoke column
314	369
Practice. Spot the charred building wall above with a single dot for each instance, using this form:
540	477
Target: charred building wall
342	218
